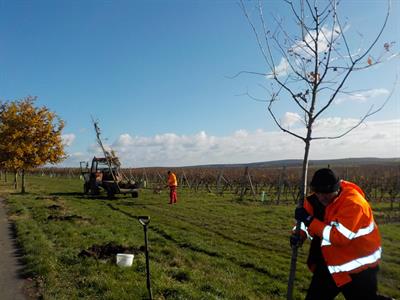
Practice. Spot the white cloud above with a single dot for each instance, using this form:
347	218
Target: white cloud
373	138
68	139
336	124
363	96
241	133
324	38
301	48
73	160
281	69
290	119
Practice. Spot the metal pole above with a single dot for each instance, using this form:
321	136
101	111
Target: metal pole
145	220
148	283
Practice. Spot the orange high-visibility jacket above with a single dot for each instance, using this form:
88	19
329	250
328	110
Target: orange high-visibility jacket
172	180
350	239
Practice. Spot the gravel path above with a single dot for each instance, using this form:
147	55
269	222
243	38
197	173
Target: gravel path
11	285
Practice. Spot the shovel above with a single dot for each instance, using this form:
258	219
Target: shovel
145	220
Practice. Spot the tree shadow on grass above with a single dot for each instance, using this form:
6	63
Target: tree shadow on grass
92	197
81	195
45	195
122	212
19	252
30	289
22	194
75	194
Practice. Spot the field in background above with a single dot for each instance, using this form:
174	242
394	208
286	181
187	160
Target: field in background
278	180
208	246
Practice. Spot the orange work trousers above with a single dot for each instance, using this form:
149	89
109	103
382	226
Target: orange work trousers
172	194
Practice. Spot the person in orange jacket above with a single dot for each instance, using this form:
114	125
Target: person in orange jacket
172	184
346	247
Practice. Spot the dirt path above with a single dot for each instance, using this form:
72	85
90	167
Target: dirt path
11	285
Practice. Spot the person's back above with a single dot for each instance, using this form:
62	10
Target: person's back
172	183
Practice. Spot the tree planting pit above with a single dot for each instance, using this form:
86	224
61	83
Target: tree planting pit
107	251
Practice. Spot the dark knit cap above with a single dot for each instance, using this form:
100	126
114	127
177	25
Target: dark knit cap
325	181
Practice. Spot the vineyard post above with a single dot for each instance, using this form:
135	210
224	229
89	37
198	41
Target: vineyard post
251	185
243	185
160	178
219	187
282	176
186	180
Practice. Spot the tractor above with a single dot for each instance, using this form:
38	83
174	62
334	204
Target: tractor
105	174
102	177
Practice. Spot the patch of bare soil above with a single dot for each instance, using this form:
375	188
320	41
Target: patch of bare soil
33	288
65	218
107	251
55	207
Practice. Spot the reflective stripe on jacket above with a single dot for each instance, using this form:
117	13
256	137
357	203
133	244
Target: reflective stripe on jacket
172	180
350	239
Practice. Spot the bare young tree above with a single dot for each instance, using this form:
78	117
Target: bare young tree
310	70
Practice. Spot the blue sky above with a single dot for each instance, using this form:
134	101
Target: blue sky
156	75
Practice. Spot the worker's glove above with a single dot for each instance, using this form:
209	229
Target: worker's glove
296	240
300	214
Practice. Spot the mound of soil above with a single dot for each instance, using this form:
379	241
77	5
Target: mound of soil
54	207
106	251
64	218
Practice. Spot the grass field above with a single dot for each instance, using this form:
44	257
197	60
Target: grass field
205	247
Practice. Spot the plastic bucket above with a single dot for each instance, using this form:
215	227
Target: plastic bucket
124	260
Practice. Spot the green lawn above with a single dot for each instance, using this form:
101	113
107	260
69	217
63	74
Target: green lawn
205	247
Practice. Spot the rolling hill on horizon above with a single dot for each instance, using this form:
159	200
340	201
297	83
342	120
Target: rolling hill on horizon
359	161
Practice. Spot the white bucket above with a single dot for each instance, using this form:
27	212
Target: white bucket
124	260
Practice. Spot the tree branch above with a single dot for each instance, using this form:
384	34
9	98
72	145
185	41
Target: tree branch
279	125
369	113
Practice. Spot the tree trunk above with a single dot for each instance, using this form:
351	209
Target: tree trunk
220	190
23	182
15	180
303	190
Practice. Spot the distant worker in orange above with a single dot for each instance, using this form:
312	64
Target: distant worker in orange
346	248
172	184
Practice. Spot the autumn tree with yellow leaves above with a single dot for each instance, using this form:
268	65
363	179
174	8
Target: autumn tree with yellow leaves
30	137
